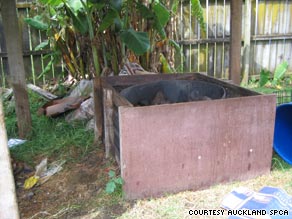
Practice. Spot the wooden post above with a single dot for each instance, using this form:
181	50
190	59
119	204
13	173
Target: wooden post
235	41
247	34
8	203
108	122
98	108
16	66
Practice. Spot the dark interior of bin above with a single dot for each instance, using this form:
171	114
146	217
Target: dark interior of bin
230	91
181	90
172	91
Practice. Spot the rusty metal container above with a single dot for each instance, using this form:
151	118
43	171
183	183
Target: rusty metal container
191	145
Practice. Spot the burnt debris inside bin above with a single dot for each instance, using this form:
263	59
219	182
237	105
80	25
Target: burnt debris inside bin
172	91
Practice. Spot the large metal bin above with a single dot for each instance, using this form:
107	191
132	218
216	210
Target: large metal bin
187	146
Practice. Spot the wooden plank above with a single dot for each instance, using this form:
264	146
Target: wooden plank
210	60
219	60
28	53
118	100
138	79
267	30
8	200
25	5
16	65
98	109
273	56
246	47
235	41
43	93
220	20
23	28
108	122
288	53
263	37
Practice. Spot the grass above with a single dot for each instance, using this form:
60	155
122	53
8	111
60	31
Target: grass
50	137
178	205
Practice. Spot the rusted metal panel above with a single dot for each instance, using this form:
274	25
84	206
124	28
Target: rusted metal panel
175	147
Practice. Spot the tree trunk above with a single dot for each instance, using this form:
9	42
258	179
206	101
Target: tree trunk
8	203
16	66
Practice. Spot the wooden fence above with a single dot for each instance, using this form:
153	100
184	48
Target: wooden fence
266	36
266	39
34	61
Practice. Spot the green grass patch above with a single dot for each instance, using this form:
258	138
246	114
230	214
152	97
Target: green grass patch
279	164
51	137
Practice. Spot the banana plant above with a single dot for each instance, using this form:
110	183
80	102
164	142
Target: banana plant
103	33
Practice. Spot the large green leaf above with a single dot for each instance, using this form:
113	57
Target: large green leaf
75	5
280	71
52	3
78	18
161	13
111	174
264	77
42	45
162	16
108	20
37	22
119	181
138	42
110	187
197	11
116	4
47	69
144	11
159	28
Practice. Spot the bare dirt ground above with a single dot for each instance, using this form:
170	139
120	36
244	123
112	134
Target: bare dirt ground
75	191
78	192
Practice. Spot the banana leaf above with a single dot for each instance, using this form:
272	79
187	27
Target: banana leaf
136	41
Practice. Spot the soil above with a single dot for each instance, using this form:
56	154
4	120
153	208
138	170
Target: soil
76	190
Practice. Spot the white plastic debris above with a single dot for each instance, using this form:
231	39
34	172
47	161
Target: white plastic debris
14	142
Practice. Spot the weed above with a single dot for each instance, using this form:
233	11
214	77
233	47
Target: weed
115	183
278	77
279	164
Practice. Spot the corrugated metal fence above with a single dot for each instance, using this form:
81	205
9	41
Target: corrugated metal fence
269	33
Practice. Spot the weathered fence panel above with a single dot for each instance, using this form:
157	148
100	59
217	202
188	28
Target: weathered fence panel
33	62
271	36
